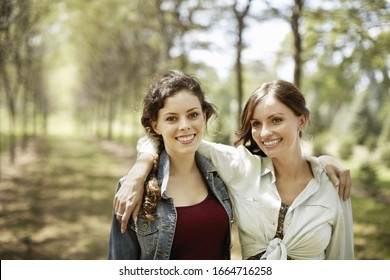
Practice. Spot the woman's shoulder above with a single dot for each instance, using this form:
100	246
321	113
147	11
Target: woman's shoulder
326	188
204	164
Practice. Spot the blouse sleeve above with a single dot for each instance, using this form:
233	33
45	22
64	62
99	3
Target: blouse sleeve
231	163
342	243
147	145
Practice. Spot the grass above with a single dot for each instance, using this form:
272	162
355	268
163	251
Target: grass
60	208
371	228
370	212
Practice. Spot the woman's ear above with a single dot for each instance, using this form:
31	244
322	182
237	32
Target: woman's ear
155	127
302	122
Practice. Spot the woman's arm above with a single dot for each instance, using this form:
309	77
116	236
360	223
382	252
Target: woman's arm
128	199
231	162
339	174
122	246
227	160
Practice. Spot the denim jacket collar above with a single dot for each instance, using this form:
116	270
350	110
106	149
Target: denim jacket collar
163	169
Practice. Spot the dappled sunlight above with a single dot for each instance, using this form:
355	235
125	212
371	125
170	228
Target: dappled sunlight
60	205
365	229
363	234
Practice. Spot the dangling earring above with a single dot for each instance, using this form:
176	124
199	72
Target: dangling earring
300	131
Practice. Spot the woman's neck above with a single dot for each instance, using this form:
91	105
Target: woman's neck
292	176
186	183
182	164
291	167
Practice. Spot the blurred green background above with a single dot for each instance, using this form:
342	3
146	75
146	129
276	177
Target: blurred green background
73	74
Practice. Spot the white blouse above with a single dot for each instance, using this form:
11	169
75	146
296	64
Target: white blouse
317	225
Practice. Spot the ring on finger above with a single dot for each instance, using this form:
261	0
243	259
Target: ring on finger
119	214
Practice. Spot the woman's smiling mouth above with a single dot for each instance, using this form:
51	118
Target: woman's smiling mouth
186	139
272	142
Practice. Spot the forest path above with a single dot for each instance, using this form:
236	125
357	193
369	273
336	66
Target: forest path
56	200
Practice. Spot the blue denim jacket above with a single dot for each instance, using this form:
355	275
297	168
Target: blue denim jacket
148	240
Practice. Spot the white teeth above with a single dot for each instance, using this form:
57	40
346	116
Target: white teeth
272	142
185	138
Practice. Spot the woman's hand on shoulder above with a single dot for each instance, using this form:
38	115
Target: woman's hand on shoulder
339	174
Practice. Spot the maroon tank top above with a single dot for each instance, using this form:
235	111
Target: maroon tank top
201	231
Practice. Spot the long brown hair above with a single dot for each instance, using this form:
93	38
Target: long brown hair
164	86
286	92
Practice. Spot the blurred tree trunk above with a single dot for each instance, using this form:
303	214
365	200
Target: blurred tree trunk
20	88
18	20
5	79
240	18
295	18
11	110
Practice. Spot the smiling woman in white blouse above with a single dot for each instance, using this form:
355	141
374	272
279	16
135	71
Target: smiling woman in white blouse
284	203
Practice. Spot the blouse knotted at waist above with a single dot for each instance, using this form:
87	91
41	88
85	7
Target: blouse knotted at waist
276	249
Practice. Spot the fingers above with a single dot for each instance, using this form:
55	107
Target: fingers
131	210
125	221
341	179
345	184
117	207
136	212
348	187
116	202
120	210
332	176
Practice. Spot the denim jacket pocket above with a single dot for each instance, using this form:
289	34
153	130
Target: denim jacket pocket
147	233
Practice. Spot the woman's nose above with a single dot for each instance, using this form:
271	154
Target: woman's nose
184	124
265	132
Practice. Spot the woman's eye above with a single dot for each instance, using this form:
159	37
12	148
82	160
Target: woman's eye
171	119
256	123
276	120
194	115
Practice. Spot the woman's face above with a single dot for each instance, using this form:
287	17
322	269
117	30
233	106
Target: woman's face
181	123
275	128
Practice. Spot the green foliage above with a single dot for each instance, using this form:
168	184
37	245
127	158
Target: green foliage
4	142
346	148
365	123
371	142
385	121
371	233
319	145
368	178
385	155
343	71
